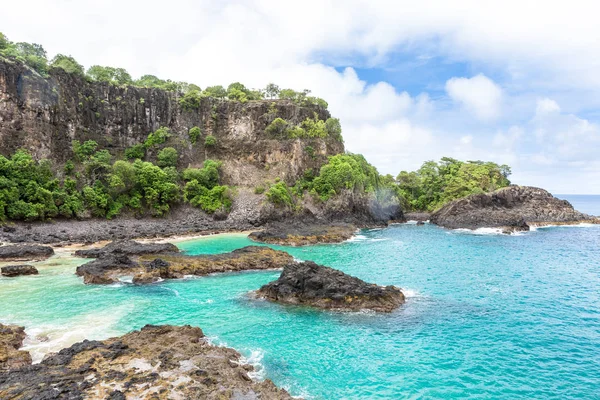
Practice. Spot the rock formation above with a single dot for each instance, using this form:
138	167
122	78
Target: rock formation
146	268
314	285
30	252
128	248
301	235
17	270
513	208
11	339
156	362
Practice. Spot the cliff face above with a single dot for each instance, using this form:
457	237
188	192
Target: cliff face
44	115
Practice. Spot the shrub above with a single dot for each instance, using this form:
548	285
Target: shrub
259	190
68	64
210	141
137	151
218	92
114	76
69	167
209	200
167	157
157	137
84	151
190	100
194	133
278	128
279	194
208	176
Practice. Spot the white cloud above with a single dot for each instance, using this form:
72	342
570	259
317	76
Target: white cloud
478	94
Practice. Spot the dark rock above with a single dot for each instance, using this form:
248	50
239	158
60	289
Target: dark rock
513	208
110	369
29	252
16	270
104	270
11	339
290	234
307	283
420	223
129	248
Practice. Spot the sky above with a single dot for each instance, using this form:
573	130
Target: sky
515	82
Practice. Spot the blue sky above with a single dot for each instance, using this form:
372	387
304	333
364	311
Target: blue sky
514	82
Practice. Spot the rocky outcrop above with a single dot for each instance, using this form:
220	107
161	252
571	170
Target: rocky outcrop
148	268
314	285
301	235
128	248
11	358
17	270
513	208
30	252
156	362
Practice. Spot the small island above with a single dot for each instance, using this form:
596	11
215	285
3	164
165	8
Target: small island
314	285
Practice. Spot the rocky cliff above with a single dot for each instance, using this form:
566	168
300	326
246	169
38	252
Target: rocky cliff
44	115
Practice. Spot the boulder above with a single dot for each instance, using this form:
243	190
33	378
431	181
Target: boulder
154	362
16	270
513	208
314	285
25	252
11	358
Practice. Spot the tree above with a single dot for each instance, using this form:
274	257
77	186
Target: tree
194	133
191	100
272	90
218	92
167	157
68	64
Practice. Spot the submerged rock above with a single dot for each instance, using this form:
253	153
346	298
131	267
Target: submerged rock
11	339
513	208
310	284
302	235
148	268
16	270
128	247
154	362
25	252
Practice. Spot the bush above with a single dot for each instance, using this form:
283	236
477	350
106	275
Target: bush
210	141
137	151
157	137
209	200
68	64
278	128
279	194
218	92
114	76
83	151
259	190
208	176
191	100
194	133
167	157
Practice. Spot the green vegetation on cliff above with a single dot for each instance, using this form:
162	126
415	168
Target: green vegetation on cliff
437	183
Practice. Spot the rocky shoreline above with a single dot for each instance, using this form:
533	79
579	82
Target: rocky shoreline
156	362
304	234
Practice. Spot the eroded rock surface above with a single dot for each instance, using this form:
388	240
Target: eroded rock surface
148	268
302	235
156	362
513	208
129	248
314	285
29	252
17	270
11	339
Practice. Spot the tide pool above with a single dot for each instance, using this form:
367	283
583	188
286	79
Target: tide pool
487	316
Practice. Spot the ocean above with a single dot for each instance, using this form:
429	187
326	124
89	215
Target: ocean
487	316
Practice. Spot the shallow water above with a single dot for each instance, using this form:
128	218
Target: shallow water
487	316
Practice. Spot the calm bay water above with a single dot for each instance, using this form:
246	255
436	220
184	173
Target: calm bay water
487	316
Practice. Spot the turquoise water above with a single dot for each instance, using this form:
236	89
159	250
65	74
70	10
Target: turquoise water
487	316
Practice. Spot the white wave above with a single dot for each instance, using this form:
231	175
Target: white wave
126	279
580	225
357	238
172	290
50	338
255	359
196	301
479	231
410	293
